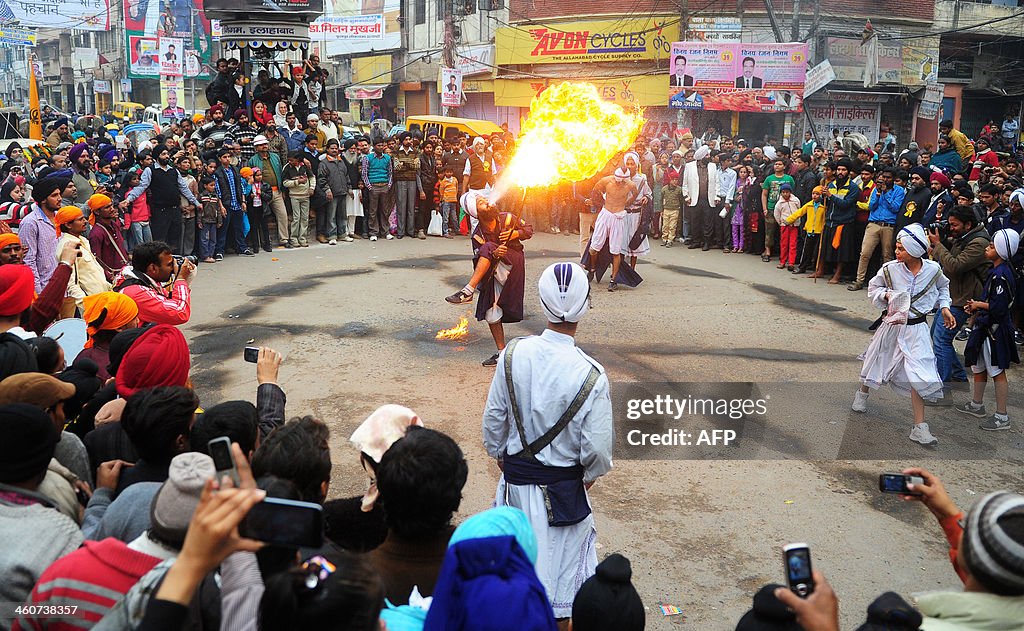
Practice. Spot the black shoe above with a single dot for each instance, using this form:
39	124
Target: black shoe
460	297
1018	338
491	361
218	257
693	245
268	249
705	247
855	287
248	252
963	334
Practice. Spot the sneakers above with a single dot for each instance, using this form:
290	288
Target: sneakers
963	334
460	297
1018	338
248	252
218	257
971	410
373	237
995	424
490	361
920	434
860	402
421	235
332	242
389	236
613	286
348	238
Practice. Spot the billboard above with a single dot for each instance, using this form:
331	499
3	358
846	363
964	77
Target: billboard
143	56
171	56
265	6
85	15
364	15
179	19
848	59
451	87
858	118
737	77
587	41
171	94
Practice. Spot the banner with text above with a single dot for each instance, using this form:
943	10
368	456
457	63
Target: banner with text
347	28
170	99
364	16
857	118
588	41
170	56
83	15
184	20
737	77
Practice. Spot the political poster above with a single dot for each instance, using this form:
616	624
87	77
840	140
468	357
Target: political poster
451	87
174	19
83	15
171	54
365	15
143	56
738	77
347	28
170	99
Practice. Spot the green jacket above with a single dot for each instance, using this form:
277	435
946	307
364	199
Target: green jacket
256	162
970	611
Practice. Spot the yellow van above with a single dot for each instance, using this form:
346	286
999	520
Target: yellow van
445	125
127	110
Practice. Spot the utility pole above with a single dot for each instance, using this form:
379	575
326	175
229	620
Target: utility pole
448	43
684	118
794	33
772	18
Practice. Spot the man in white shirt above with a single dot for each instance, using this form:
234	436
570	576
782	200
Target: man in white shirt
548	422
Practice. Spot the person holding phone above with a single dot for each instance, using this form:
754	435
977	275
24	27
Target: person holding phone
153	266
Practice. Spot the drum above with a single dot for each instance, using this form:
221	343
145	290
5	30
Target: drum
70	334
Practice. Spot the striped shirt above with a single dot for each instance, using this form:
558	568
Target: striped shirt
39	236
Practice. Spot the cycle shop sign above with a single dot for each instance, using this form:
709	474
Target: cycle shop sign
587	41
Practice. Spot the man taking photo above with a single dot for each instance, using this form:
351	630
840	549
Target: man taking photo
153	266
962	257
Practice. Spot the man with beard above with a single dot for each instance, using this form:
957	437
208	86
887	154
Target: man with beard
106	238
941	202
838	245
82	174
243	132
269	164
166	187
354	198
700	194
216	130
60	133
917	199
884	203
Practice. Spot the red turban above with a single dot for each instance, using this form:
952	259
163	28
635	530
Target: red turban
17	289
158	358
940	178
217	107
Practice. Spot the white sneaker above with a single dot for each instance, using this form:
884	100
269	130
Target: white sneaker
389	236
332	242
921	434
348	239
860	402
680	240
373	237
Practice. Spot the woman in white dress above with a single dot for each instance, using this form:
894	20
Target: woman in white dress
634	211
900	353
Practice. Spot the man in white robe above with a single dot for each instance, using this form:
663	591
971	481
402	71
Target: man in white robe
553	384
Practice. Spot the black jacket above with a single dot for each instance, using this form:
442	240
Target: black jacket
914	206
222	175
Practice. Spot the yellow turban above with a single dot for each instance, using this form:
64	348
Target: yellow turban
7	238
108	311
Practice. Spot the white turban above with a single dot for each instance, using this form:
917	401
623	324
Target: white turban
479	141
1006	242
702	153
913	240
636	158
1018	195
469	201
769	152
621	174
564	292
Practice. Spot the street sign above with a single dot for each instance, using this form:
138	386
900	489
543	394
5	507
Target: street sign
14	36
818	77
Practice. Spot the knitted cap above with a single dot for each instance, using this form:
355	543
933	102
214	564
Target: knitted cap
993	543
178	497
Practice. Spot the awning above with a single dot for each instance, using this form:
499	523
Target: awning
270	34
365	91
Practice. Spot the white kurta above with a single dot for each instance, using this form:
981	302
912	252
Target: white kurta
547	371
902	355
87	277
632	220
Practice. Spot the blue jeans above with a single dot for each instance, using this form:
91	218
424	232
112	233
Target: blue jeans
207	240
140	233
449	218
231	230
946	360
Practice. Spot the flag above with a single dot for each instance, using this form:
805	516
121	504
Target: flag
35	121
6	15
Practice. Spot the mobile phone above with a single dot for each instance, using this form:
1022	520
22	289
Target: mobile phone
796	559
897	483
284	523
251	354
223	459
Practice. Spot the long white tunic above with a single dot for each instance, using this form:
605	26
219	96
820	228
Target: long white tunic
547	371
902	355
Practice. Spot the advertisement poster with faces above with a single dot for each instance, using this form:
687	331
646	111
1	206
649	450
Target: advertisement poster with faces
738	77
451	87
171	56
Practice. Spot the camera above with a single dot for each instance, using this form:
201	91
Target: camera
942	227
180	260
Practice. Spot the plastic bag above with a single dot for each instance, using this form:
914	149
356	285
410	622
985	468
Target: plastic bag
435	227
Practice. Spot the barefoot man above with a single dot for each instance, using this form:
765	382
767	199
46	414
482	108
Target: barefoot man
609	229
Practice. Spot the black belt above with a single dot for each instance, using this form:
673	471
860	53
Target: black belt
887	224
910	321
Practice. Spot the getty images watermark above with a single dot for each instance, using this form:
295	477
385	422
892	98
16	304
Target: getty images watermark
793	421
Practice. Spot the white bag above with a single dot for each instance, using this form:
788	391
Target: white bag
434	229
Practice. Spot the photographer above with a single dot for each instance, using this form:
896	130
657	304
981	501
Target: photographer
962	257
153	267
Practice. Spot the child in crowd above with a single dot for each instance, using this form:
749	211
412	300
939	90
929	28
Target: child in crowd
448	188
743	184
211	217
990	348
671	205
137	218
104	173
813	214
787	205
258	204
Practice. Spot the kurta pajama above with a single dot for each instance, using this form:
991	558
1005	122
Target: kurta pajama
502	291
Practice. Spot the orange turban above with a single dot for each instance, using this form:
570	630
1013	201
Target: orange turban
96	202
7	238
245	172
67	215
108	311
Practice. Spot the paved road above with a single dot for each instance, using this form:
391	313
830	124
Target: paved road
356	323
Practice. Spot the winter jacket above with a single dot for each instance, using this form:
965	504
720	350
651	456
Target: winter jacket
964	264
970	611
295	187
332	176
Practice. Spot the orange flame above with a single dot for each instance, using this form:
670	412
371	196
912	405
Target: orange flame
458	332
570	135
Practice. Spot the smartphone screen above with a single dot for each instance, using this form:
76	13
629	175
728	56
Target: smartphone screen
285	523
251	354
799	577
897	483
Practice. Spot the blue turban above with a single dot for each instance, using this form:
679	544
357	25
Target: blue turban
504	520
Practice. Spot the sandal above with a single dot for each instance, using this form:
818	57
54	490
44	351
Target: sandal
765	258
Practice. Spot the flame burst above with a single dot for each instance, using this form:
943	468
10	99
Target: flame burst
571	135
457	332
